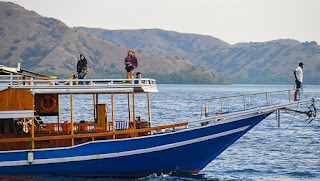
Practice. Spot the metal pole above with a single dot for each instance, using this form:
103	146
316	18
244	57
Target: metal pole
249	101
244	102
209	105
201	109
221	105
267	98
229	104
11	79
278	117
289	94
71	106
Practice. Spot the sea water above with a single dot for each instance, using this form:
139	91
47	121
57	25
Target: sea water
267	152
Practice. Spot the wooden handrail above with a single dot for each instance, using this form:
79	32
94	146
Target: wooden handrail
85	135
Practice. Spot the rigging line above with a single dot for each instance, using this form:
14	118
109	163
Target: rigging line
289	113
270	125
295	113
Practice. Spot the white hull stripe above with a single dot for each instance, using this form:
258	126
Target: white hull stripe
125	153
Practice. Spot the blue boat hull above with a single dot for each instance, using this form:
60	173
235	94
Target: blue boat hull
187	150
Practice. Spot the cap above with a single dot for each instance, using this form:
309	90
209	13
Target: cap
301	64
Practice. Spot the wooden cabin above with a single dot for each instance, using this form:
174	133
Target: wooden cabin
26	98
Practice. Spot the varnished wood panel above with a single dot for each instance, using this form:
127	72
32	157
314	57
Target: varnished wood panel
101	113
102	116
16	99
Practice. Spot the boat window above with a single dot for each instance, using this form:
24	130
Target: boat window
1	126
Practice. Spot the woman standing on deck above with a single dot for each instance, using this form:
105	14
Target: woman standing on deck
131	63
82	63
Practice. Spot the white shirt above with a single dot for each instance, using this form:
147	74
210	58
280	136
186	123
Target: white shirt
299	74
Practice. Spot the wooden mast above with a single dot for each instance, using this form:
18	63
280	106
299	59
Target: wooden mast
59	112
149	110
32	127
133	111
129	108
112	109
71	106
107	117
95	103
32	133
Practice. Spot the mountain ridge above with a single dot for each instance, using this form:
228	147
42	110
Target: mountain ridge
270	62
171	44
49	46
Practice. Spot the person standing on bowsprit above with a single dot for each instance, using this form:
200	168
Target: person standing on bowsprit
82	64
298	74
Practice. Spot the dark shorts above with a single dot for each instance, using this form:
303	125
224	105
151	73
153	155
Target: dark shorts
298	84
129	68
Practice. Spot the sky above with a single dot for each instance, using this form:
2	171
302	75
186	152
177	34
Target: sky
233	21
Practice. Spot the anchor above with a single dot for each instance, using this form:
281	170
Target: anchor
311	112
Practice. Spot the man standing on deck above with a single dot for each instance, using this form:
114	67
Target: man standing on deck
298	74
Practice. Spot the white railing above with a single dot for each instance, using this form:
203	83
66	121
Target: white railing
235	103
23	81
257	110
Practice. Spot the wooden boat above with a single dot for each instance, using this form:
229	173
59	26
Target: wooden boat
30	147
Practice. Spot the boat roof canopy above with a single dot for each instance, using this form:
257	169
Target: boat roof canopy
94	90
19	78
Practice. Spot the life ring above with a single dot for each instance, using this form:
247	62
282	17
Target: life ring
48	98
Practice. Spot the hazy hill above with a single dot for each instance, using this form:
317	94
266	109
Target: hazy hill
47	45
171	44
266	62
254	62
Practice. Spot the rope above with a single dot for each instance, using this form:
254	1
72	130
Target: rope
270	125
295	113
